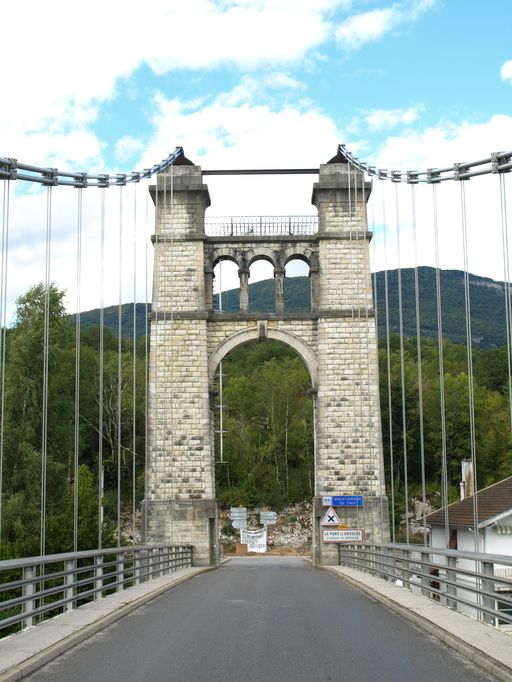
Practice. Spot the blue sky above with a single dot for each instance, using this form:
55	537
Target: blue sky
108	84
114	86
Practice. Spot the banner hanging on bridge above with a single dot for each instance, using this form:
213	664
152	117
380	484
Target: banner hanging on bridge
256	540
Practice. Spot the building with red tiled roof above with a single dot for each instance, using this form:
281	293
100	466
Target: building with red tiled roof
494	521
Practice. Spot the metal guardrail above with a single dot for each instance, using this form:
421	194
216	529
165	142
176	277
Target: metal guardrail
267	226
37	588
478	585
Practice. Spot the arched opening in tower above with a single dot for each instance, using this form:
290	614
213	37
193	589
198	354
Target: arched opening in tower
264	429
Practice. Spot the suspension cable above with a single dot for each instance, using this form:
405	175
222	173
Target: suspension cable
372	488
402	367
146	364
419	363
498	162
10	170
440	348
378	401
119	366
506	280
46	344
134	363
3	331
77	369
101	396
469	342
388	367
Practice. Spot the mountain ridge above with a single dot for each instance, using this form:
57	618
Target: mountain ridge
487	298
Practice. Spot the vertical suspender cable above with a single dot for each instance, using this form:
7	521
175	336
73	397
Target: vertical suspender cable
506	280
402	367
376	308
134	361
419	362
77	369
372	488
388	362
221	381
351	201
119	365
440	350
101	370
471	394
179	457
153	350
3	329
46	340
158	438
146	362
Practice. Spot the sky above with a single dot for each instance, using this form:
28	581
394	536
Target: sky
115	86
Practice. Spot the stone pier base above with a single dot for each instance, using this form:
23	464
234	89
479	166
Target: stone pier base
372	518
184	522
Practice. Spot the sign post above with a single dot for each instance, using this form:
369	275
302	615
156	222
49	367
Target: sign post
345	535
342	500
330	518
238	517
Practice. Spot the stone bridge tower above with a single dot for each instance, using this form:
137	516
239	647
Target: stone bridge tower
336	340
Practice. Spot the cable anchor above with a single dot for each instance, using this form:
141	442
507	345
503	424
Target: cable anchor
51	176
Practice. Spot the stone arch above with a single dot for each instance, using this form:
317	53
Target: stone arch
297	252
261	253
239	338
226	253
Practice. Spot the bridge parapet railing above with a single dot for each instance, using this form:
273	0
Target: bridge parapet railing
476	584
34	589
261	226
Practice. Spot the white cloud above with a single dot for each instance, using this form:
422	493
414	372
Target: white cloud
373	25
442	146
506	71
385	119
67	61
281	80
127	147
229	132
367	27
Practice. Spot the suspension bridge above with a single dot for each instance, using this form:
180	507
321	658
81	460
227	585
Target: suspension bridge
109	442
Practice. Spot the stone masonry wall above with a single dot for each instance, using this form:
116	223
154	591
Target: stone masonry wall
181	458
337	340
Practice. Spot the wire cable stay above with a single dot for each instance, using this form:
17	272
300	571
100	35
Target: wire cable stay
4	262
469	352
440	350
76	448
402	369
119	366
419	364
101	372
46	351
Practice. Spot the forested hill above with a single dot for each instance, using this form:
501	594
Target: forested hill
487	305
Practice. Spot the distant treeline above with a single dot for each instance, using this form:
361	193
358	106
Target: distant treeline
487	306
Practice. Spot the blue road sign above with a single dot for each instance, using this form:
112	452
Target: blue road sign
347	501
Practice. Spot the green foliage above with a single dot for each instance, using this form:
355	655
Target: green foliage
24	430
491	409
268	421
268	439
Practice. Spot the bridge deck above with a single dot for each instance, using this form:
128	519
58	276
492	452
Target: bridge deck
261	619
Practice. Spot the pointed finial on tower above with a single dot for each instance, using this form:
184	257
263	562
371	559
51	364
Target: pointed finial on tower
339	158
183	161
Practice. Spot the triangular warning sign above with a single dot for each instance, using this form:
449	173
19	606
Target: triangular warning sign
330	518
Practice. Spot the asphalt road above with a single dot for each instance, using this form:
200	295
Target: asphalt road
261	619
